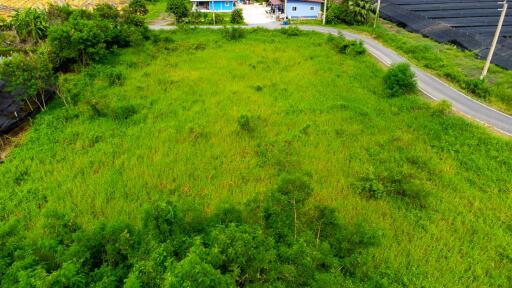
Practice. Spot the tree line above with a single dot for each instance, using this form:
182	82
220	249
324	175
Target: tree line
278	241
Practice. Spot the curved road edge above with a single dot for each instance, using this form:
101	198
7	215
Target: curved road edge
427	83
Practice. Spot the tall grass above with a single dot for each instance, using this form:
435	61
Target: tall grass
170	129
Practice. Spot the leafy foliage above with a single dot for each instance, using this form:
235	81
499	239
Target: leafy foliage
291	31
400	80
179	8
86	37
350	12
28	77
215	255
345	46
30	24
237	16
138	7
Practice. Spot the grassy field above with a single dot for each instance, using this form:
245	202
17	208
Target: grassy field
208	121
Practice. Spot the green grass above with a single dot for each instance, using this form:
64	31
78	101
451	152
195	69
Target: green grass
156	9
446	61
163	122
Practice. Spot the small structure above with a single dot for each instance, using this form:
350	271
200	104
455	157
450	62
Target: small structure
297	8
213	5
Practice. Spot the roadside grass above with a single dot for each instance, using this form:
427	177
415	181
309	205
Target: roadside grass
205	121
156	9
446	61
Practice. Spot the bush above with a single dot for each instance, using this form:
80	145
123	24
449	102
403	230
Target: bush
237	17
138	7
477	87
30	24
399	80
179	8
291	31
349	12
107	12
359	12
244	123
348	47
233	33
335	14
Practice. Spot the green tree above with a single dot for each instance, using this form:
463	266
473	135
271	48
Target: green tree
78	40
194	272
179	8
28	77
285	204
30	24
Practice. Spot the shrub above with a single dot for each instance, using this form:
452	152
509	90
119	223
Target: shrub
138	7
30	24
291	31
237	17
107	12
179	8
350	12
477	87
348	47
335	14
359	12
244	123
371	187
233	33
399	80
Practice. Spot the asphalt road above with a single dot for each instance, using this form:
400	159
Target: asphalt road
428	84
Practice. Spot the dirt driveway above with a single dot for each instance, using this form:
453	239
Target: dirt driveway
255	14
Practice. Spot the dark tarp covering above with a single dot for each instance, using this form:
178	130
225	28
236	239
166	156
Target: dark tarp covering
13	112
469	24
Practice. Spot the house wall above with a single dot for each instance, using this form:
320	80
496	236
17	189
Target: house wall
303	9
221	5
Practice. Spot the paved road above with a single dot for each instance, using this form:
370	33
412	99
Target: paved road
428	84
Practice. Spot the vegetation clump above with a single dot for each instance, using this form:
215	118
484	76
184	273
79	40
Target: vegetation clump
233	33
288	246
352	12
179	8
291	31
237	17
30	24
400	80
345	46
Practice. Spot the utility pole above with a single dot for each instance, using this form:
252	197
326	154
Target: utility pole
213	6
325	12
495	40
377	16
285	11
